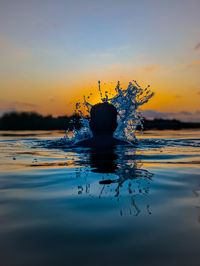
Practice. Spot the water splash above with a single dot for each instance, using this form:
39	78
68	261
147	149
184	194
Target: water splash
127	102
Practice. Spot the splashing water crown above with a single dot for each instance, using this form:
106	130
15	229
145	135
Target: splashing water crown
127	102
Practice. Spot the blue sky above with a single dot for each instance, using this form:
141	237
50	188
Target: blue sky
60	49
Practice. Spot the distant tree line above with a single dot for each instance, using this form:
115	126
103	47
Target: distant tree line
168	124
35	121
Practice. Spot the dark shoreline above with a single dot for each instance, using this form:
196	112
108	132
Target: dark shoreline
33	121
162	124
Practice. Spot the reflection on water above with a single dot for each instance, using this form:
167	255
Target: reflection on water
127	175
130	206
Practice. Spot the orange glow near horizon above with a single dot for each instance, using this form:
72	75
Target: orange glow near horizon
61	99
50	60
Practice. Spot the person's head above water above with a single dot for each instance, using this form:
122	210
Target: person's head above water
103	123
103	120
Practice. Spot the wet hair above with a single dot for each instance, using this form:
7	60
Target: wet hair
103	119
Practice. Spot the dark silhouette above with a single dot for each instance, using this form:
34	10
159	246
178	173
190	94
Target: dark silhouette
103	162
34	121
103	123
160	124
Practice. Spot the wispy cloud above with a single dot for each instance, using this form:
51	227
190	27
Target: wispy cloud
124	47
16	106
13	50
52	100
6	110
150	68
45	25
182	115
22	105
100	55
194	63
115	66
105	54
178	95
197	46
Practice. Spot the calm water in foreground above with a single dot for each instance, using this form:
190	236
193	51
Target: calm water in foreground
136	205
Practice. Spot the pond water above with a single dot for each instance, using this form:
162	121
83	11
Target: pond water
136	205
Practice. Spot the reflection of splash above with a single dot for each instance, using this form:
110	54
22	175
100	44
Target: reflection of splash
122	175
196	194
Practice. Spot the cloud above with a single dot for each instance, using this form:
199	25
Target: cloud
100	55
151	114
115	66
105	55
7	107
52	100
6	110
182	115
11	49
194	63
197	46
178	96
124	47
185	113
150	68
23	105
45	25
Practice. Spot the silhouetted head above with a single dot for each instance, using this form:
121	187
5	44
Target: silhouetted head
103	119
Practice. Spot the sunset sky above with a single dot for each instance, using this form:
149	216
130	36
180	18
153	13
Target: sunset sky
54	51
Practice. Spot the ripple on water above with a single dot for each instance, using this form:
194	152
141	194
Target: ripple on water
138	203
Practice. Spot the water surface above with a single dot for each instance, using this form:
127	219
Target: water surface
69	206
